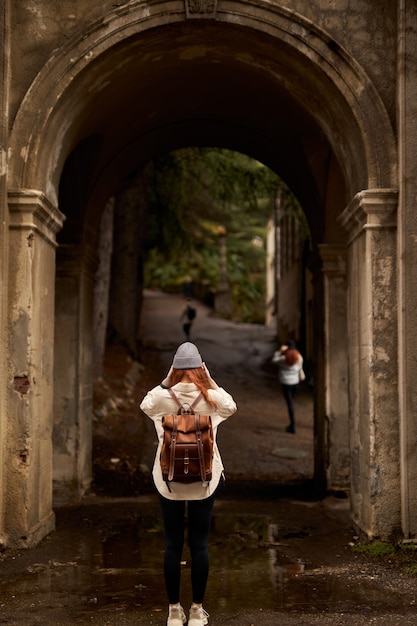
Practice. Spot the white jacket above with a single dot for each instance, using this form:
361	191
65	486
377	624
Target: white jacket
288	374
157	403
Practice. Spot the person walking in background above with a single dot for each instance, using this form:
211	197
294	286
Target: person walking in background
290	364
189	315
188	377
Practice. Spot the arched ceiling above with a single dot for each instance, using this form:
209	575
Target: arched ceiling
210	85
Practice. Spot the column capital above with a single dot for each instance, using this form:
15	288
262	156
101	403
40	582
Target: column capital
370	209
32	211
333	259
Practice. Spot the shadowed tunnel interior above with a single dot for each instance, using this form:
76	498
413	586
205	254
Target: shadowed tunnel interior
204	84
209	85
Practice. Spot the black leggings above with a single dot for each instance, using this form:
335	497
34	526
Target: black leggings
199	519
289	392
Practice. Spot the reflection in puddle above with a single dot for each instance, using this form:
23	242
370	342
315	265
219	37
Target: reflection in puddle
248	567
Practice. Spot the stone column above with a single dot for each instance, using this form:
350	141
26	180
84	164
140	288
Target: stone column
318	364
336	406
407	260
102	288
73	372
370	220
28	441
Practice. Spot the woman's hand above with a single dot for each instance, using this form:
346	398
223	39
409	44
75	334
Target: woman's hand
213	384
167	381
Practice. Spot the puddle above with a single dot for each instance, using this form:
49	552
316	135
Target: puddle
244	565
113	565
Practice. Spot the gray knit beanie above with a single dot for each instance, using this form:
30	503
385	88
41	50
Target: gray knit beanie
187	357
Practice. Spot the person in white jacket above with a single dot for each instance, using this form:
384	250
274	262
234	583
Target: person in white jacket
188	377
290	364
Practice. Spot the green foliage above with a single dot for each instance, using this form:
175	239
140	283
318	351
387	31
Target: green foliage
403	554
376	549
195	194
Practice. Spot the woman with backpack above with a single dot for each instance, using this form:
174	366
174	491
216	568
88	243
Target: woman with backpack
191	384
290	364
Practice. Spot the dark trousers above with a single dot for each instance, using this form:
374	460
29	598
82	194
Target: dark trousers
289	393
199	519
187	329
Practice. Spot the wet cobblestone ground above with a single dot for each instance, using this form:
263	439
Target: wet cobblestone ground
278	555
273	561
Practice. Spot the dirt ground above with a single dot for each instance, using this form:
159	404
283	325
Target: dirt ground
278	554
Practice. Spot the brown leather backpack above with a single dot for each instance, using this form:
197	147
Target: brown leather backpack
187	449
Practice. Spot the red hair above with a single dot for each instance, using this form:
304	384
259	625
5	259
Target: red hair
291	356
197	376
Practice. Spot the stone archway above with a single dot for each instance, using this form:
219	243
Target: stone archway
363	142
319	88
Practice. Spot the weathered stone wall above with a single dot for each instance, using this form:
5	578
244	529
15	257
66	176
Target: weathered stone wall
127	263
366	28
73	372
372	349
39	29
336	401
407	261
27	445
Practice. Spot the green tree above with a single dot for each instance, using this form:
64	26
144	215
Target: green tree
192	192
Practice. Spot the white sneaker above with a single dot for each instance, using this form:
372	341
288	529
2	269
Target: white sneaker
198	616
176	616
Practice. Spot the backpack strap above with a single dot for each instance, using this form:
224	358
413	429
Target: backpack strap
199	437
171	391
175	397
172	448
197	400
